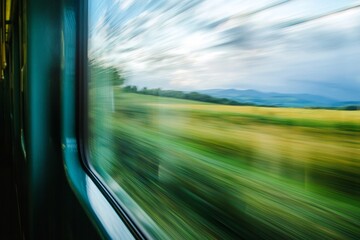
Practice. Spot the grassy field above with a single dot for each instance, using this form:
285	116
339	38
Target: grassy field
207	171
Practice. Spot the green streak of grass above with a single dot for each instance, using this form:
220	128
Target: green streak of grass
217	172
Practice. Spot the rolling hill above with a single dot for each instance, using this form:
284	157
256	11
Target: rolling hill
276	99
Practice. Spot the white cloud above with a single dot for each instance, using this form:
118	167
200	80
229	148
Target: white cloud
124	4
170	47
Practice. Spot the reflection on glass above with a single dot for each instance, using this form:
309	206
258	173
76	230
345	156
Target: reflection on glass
215	119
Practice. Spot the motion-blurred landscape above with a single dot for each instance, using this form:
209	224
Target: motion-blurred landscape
236	119
205	170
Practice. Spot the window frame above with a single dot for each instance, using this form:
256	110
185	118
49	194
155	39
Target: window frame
82	127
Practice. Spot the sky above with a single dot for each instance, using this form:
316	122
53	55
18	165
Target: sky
298	46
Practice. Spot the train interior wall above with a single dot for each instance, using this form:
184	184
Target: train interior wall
10	226
36	200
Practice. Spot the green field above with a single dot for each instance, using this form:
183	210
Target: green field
208	171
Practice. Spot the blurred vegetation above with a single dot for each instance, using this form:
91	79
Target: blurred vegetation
208	171
183	95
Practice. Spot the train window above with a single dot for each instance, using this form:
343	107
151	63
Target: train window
214	119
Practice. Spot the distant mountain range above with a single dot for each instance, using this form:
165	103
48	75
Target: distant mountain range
277	99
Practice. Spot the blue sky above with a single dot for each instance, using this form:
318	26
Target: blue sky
205	44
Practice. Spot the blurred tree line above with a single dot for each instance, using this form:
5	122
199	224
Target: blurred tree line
182	95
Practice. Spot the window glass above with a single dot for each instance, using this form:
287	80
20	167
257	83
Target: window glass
214	119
